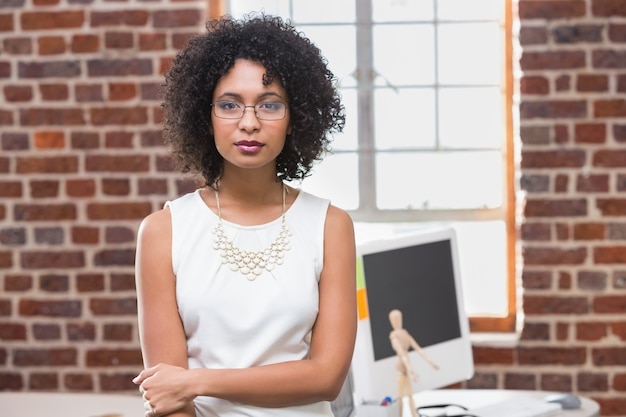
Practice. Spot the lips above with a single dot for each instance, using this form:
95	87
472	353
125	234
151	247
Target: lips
249	145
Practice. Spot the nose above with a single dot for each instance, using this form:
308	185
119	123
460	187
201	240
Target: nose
249	121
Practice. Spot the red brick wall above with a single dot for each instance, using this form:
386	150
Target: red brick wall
81	163
572	128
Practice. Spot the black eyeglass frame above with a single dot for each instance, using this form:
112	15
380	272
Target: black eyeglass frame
444	407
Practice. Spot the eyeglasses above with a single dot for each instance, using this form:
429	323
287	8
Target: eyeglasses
266	110
443	410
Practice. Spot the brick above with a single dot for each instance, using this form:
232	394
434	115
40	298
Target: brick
563	83
556	382
609	356
6	260
122	91
11	381
84	44
113	357
535	331
152	42
81	331
54	283
52	259
13	236
90	282
608	8
119	116
592	183
49	235
85	235
483	380
552	355
115	186
592	83
47	331
533	35
117	382
49	69
52	20
611	206
537	85
609	108
555	208
44	212
118	139
43	189
49	139
18	46
45	357
113	306
54	92
619	132
609	304
6	23
552	60
117	163
617	33
523	381
15	141
119	67
18	282
81	188
587	381
49	308
78	382
535	183
122	282
118	234
52	117
608	59
11	189
592	280
109	257
563	9
553	109
119	40
591	331
12	331
553	159
152	186
488	355
51	45
536	280
616	231
590	133
619	382
84	140
541	305
151	91
609	158
578	34
87	93
178	18
119	18
18	94
118	211
43	381
118	332
619	330
589	231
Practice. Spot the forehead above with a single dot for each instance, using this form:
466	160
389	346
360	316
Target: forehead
244	78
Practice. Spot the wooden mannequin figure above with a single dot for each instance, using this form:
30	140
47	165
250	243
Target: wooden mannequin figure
401	342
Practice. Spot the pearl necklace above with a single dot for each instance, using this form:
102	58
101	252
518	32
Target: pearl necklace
251	263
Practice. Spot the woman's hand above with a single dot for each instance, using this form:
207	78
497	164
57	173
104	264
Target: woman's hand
165	388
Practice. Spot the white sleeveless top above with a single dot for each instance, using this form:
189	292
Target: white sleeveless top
231	322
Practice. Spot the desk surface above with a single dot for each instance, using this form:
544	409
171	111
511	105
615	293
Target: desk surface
472	398
31	404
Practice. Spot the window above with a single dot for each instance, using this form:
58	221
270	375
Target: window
428	139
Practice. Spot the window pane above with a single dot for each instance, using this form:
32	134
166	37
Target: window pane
469	10
471	118
338	45
239	8
442	180
402	11
405	118
348	139
336	177
470	53
404	54
325	11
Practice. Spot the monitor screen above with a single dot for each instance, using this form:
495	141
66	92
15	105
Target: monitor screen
417	274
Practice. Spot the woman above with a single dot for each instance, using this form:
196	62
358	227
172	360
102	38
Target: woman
246	287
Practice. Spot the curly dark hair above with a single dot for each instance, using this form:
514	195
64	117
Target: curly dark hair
315	107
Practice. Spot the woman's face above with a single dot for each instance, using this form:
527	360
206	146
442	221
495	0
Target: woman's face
249	142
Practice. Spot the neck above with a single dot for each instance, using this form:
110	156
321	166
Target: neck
250	189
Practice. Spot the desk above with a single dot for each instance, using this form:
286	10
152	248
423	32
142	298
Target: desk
471	398
63	404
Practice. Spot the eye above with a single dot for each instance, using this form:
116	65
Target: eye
270	106
228	106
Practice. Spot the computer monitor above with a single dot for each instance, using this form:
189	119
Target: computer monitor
418	274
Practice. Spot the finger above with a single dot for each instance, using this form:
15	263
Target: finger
143	375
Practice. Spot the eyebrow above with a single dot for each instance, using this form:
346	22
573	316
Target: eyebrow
261	96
